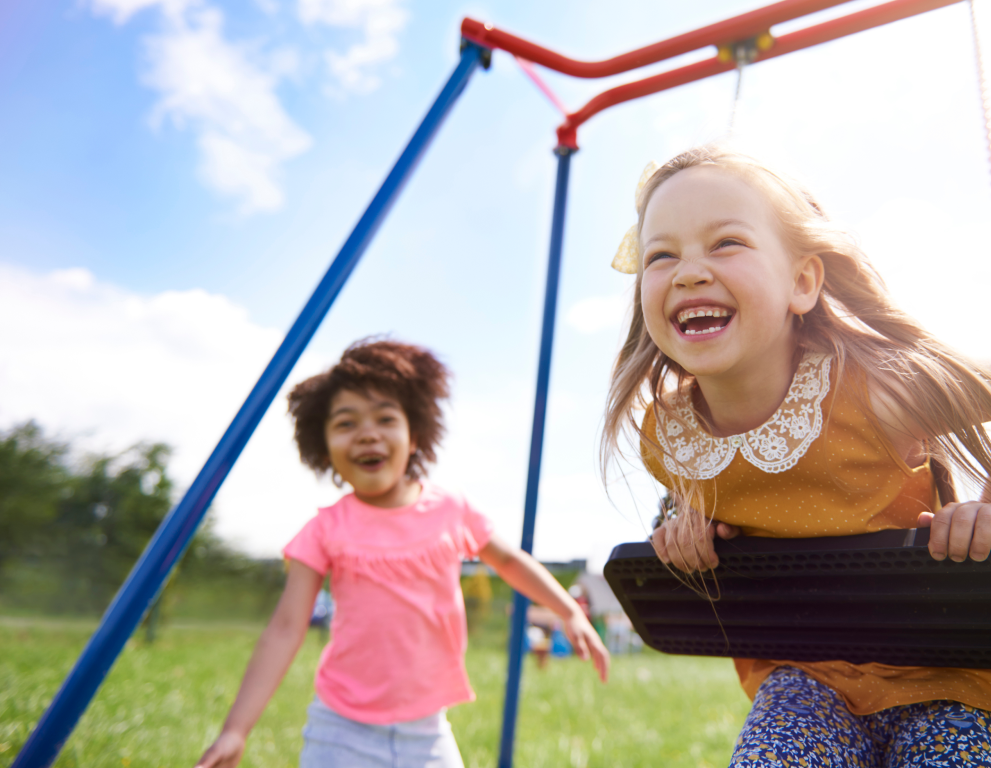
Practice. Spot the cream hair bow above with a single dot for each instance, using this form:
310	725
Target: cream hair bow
627	257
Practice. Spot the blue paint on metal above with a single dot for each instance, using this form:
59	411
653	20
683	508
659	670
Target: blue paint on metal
176	531
520	603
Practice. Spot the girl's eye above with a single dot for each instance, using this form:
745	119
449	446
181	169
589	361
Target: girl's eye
657	257
727	242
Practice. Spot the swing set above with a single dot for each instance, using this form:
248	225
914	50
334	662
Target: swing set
739	42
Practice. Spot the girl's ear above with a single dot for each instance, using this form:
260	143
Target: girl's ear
808	284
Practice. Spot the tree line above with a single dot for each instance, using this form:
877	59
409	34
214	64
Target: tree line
72	526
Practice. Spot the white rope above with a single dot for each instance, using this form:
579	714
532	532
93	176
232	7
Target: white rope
982	79
736	99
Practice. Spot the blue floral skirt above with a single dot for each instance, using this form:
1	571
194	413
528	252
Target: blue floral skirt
798	721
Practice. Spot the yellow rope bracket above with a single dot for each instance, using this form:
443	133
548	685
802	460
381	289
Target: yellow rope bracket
745	51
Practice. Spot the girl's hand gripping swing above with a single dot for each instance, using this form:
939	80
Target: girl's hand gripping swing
685	540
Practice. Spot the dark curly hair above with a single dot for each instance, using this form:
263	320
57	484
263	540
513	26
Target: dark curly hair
410	374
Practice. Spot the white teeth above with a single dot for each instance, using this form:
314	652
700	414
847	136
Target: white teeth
690	313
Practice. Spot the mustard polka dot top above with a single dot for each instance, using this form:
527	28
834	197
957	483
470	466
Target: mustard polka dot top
820	466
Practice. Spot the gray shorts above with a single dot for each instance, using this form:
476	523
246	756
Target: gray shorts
333	741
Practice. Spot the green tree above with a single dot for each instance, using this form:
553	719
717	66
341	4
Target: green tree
72	528
33	482
115	505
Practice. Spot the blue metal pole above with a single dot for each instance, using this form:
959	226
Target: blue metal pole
520	603
177	529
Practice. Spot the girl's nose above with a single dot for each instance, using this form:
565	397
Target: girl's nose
367	431
692	273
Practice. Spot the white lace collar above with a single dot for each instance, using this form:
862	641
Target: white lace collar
775	446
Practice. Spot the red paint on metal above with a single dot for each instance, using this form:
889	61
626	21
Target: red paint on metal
804	38
724	32
728	31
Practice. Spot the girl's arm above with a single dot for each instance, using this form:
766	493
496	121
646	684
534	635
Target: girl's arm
958	530
527	576
273	654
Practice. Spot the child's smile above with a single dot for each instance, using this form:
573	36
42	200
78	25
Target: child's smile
702	320
371	462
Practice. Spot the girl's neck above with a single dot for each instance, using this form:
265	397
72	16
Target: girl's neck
740	402
402	494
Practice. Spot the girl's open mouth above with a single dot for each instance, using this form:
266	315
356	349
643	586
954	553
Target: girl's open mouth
370	462
702	321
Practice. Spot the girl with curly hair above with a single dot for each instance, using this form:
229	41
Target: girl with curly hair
393	548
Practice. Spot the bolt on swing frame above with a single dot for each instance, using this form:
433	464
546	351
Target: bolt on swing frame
177	529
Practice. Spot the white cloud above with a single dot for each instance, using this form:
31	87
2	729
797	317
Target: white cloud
598	313
379	20
232	168
224	94
107	368
245	134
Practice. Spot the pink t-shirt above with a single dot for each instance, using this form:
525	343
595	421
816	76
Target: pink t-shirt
399	633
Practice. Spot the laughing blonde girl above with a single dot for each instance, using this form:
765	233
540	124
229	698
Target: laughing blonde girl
786	396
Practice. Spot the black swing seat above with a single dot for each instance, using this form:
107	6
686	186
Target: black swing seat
873	597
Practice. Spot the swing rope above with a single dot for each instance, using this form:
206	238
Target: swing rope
743	53
736	99
545	89
981	78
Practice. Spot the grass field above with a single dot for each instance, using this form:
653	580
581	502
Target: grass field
162	705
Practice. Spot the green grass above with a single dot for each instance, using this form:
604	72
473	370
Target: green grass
162	705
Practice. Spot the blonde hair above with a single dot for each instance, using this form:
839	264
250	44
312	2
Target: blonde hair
947	395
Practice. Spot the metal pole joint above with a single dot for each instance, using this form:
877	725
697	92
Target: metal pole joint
484	54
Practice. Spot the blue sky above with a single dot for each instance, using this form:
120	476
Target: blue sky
177	175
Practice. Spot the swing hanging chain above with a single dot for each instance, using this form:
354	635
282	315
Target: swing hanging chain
743	52
736	101
981	78
529	71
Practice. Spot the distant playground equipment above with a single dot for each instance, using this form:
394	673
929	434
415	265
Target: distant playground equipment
739	42
544	639
323	610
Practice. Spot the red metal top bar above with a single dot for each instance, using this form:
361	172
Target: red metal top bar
738	28
805	38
